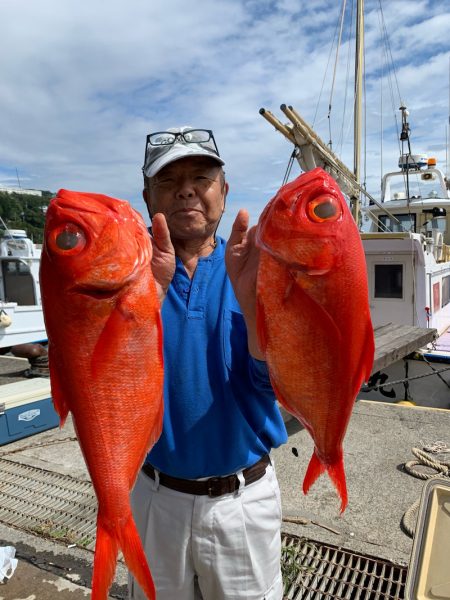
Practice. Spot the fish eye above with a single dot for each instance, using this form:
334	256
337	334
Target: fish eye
67	239
323	209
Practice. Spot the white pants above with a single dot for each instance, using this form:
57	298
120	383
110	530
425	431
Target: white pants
224	548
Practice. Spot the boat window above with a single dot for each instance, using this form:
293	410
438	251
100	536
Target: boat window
420	185
445	290
388	281
407	223
18	282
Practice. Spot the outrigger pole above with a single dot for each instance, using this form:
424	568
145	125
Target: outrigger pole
313	152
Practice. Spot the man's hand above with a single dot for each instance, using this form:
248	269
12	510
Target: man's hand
242	259
163	261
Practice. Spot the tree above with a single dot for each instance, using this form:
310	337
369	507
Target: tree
24	211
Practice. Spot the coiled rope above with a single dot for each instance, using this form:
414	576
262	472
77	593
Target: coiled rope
440	469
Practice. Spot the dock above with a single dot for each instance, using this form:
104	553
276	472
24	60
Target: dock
55	550
394	342
378	442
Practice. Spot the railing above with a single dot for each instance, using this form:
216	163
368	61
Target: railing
445	253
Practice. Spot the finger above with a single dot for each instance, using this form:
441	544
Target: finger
251	233
161	234
239	227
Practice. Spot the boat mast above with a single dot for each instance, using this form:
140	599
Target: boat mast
359	64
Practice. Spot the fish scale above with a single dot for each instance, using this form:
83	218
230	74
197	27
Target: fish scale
102	317
313	317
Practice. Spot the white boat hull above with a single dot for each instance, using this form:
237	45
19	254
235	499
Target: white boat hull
27	325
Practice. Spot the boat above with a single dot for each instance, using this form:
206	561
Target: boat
407	250
405	234
21	316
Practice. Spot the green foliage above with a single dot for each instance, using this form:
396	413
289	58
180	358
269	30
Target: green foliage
23	211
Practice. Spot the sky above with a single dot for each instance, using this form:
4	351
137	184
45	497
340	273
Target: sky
82	82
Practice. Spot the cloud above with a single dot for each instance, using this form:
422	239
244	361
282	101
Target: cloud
82	86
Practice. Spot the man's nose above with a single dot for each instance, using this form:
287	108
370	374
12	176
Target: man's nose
185	188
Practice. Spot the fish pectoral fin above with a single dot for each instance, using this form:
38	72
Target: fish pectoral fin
364	369
111	341
369	351
317	314
58	399
261	329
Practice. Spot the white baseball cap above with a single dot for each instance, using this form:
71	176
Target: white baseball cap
164	147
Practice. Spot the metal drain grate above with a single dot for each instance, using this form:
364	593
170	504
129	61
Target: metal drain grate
47	503
63	508
314	571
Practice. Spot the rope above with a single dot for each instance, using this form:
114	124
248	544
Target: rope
440	468
294	154
409	519
389	383
436	371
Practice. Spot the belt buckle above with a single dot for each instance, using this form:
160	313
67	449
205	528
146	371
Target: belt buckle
214	487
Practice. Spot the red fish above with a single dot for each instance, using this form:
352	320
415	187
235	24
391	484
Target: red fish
313	317
102	317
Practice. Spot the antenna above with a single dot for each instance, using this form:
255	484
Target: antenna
18	180
446	129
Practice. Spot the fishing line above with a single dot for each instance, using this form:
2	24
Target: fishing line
326	71
338	45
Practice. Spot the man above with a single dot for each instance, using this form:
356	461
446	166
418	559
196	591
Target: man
207	502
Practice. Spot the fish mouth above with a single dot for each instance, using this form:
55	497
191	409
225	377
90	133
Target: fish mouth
96	292
109	290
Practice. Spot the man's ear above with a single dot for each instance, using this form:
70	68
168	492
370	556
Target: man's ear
146	197
226	187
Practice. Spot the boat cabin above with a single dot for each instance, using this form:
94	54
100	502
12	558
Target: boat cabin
20	296
19	262
407	247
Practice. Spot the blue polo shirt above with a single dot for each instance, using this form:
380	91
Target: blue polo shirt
220	412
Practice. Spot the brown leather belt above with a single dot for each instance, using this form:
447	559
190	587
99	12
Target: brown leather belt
215	486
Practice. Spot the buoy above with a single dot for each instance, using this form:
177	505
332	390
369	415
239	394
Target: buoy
406	403
5	319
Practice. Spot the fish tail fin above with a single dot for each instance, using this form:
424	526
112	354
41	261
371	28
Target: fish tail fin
107	546
106	550
336	472
133	552
313	472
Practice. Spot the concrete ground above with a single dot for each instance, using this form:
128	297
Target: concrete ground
378	442
33	583
48	569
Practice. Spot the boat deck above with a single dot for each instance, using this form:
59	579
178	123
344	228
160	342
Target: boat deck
12	369
441	348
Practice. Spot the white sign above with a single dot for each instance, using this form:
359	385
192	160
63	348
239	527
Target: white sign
29	415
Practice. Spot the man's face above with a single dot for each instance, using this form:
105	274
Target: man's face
190	192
